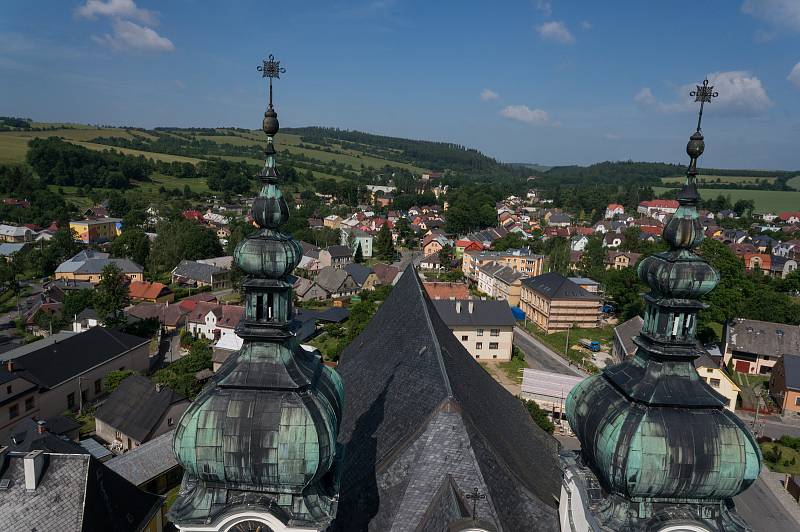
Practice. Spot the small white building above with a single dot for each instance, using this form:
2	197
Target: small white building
484	327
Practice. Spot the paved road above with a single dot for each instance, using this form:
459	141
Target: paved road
763	511
771	426
539	356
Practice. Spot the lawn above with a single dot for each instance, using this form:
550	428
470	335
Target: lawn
513	368
780	458
728	179
765	200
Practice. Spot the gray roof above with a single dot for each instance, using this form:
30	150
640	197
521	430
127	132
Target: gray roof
37	345
331	279
483	313
90	261
424	424
7	249
75	492
25	436
762	337
358	272
339	251
135	408
791	370
146	462
625	332
553	285
508	275
196	271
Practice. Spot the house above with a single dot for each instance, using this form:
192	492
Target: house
14	235
96	230
353	238
19	395
484	327
462	245
761	262
621	259
138	411
434	243
559	219
656	206
555	303
171	317
614	209
332	221
85	320
8	250
440	290
784	384
623	347
197	274
364	276
88	266
57	290
215	321
68	369
98	211
590	285
337	282
578	242
431	262
75	492
500	282
782	266
521	260
612	240
308	290
718	379
145	291
754	346
335	257
386	273
421	413
59	434
789	217
151	466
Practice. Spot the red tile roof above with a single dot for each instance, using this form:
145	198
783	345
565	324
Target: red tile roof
447	290
146	290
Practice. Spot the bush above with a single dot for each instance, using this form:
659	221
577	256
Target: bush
112	380
539	416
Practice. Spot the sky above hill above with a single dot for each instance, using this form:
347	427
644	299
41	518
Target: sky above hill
545	81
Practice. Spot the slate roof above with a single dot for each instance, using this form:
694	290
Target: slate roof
358	272
339	251
135	408
55	362
625	332
553	285
419	409
196	271
169	315
89	262
146	462
75	493
485	313
7	248
791	370
386	273
24	437
331	279
762	337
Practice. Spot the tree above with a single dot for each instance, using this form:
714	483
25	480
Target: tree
111	295
446	256
512	240
180	375
180	240
384	246
559	256
358	257
112	380
593	260
76	301
539	416
132	244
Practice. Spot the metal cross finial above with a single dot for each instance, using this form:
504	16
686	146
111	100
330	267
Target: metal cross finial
703	94
271	69
475	496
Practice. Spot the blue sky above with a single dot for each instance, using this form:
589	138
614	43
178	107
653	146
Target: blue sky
553	82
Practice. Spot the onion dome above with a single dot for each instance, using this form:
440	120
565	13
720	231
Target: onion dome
262	436
652	431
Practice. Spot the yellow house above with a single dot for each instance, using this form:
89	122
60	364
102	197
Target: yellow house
716	377
96	230
88	266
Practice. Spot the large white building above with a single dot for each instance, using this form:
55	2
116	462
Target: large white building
484	327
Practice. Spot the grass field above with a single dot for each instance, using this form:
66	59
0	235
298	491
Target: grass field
765	200
726	179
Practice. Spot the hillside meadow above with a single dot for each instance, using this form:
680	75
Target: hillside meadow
765	200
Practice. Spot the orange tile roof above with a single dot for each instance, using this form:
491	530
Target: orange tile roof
146	290
447	290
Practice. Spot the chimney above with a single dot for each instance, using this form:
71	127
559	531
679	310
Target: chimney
458	307
34	463
470	306
41	426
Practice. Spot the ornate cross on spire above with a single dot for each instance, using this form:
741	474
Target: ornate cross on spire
475	496
270	68
703	94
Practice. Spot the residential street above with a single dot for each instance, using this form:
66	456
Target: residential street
761	506
539	356
770	426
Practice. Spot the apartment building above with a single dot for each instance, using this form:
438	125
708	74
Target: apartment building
521	260
484	327
555	303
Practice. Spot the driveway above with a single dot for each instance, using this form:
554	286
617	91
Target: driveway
539	356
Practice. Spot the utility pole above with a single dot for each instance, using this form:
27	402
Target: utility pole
566	344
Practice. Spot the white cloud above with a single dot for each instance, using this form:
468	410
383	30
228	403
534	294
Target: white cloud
555	31
794	75
488	95
116	8
780	13
740	92
587	25
545	7
645	97
522	113
131	36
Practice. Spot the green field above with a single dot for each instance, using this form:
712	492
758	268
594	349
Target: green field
724	179
765	200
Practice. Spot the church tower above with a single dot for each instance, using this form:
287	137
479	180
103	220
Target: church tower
659	450
258	445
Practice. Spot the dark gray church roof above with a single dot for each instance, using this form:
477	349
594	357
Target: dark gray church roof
421	417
